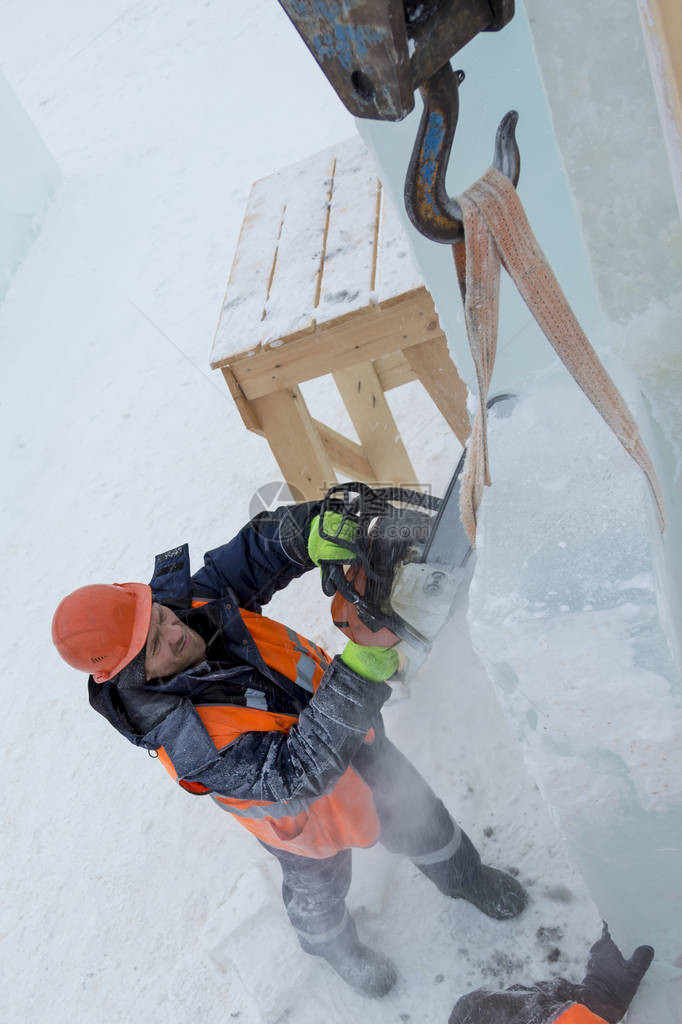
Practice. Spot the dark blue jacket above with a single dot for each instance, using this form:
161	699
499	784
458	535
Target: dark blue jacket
265	555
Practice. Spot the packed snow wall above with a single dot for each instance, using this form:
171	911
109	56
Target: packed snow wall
28	178
575	599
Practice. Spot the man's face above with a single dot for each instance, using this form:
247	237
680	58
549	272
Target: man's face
171	645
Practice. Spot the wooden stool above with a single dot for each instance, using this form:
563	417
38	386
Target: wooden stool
322	282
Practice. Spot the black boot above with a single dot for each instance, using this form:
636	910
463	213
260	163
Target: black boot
370	973
463	876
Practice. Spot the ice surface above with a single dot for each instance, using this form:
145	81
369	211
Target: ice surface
613	145
28	178
564	605
575	600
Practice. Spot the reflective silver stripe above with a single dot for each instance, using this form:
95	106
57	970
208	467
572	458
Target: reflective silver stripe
324	657
305	667
444	853
305	672
256	699
319	937
258	811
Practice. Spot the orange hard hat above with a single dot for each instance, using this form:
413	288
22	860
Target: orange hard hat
101	628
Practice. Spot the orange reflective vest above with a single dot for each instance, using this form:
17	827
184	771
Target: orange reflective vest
320	827
578	1014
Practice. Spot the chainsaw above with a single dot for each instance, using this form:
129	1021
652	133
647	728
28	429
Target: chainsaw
407	559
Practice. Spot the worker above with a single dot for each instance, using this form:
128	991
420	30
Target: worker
287	740
603	996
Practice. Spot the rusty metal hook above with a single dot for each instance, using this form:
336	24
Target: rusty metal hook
430	209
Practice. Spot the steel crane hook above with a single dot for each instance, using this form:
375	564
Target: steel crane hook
430	209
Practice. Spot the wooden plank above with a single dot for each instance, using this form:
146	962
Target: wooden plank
244	407
396	269
364	337
281	283
393	370
348	270
293	289
295	442
345	455
433	366
373	420
239	325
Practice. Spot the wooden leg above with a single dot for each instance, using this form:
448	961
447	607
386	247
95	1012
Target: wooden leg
433	366
243	405
372	418
295	442
345	454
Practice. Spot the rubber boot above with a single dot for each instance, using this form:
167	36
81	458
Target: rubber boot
464	877
369	973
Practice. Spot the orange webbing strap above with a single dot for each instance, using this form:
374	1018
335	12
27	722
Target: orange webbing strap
496	232
578	1014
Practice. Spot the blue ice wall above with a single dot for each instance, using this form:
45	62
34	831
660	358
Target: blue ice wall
28	179
564	599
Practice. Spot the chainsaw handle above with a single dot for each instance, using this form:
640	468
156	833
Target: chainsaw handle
333	578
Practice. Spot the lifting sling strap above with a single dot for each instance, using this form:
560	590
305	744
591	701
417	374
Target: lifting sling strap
497	232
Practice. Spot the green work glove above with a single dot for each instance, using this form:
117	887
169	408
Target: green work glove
375	664
321	550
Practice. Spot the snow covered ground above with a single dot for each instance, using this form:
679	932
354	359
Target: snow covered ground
124	898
